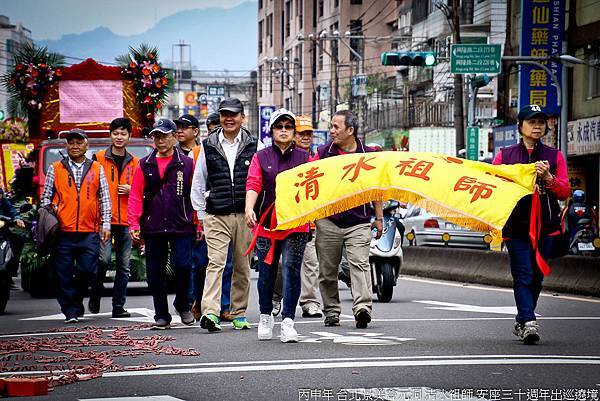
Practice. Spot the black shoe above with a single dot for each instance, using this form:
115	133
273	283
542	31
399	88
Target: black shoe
94	304
332	321
71	318
120	312
362	317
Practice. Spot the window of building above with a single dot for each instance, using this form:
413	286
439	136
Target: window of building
260	4
288	55
356	43
260	81
288	17
321	7
300	13
334	43
355	1
321	58
299	106
269	28
594	74
336	3
260	36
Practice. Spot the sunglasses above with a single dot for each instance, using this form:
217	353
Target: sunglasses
287	127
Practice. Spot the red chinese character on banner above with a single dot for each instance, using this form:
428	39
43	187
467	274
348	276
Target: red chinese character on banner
411	169
310	184
450	159
505	179
477	188
361	164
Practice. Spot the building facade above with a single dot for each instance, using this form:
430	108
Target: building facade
310	50
12	37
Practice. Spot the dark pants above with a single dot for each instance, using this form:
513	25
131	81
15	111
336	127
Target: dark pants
291	251
122	245
527	277
76	263
200	261
157	254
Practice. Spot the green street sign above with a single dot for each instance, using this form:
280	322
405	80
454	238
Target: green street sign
475	59
473	143
2	115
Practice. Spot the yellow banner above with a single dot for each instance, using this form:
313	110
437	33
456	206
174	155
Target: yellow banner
475	195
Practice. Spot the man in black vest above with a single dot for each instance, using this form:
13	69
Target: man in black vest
218	196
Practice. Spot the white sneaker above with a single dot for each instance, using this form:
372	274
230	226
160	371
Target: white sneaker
530	334
265	327
288	332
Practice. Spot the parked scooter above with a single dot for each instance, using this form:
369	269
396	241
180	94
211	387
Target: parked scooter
5	257
585	241
385	256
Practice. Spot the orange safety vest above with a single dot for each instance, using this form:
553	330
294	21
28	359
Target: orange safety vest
196	151
114	179
77	210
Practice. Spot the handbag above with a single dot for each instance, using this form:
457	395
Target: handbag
560	242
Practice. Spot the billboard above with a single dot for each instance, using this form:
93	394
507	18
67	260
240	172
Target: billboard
542	26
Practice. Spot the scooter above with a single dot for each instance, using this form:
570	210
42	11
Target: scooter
385	256
5	257
585	241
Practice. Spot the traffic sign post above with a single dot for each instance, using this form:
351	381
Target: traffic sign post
475	59
473	143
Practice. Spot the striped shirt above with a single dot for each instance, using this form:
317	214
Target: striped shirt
77	170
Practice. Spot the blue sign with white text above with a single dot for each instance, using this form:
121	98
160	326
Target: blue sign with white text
542	27
505	136
265	114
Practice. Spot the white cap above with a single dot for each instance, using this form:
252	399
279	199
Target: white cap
277	114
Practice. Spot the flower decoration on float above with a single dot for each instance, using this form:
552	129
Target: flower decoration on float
150	79
34	70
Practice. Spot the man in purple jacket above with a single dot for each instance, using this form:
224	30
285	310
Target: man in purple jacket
350	230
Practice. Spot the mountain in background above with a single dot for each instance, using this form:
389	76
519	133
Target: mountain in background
219	38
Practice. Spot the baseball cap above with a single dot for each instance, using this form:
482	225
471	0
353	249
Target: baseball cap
278	114
76	133
304	123
188	120
231	104
213	118
530	111
163	126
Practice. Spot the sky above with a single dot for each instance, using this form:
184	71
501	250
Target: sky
50	19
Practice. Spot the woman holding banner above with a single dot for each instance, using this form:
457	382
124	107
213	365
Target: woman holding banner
521	232
271	245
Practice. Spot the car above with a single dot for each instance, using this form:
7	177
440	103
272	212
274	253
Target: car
425	229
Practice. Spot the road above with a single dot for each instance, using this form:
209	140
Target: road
435	340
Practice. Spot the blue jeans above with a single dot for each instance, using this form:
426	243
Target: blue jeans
527	277
76	264
157	252
122	245
291	251
200	261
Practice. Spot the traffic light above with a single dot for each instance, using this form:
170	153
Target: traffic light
480	81
416	59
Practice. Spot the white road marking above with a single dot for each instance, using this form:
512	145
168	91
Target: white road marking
148	398
147	316
354	338
306	322
358	363
504	310
319	363
490	288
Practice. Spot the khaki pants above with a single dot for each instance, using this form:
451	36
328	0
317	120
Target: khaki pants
330	241
219	232
309	276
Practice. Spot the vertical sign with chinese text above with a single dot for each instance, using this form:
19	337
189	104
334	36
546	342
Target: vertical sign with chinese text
542	27
472	143
265	115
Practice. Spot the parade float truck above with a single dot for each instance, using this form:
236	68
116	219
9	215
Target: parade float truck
89	96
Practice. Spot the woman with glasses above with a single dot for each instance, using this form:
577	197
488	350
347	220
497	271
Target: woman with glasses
272	245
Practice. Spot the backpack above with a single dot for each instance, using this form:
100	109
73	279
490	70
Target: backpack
45	232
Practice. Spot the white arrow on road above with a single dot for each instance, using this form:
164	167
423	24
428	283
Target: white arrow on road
355	338
503	310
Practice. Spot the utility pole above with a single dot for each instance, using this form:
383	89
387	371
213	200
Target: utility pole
458	81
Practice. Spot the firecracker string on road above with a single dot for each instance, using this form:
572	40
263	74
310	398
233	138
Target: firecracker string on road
77	358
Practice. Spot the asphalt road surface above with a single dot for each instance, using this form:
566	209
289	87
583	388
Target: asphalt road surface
435	341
